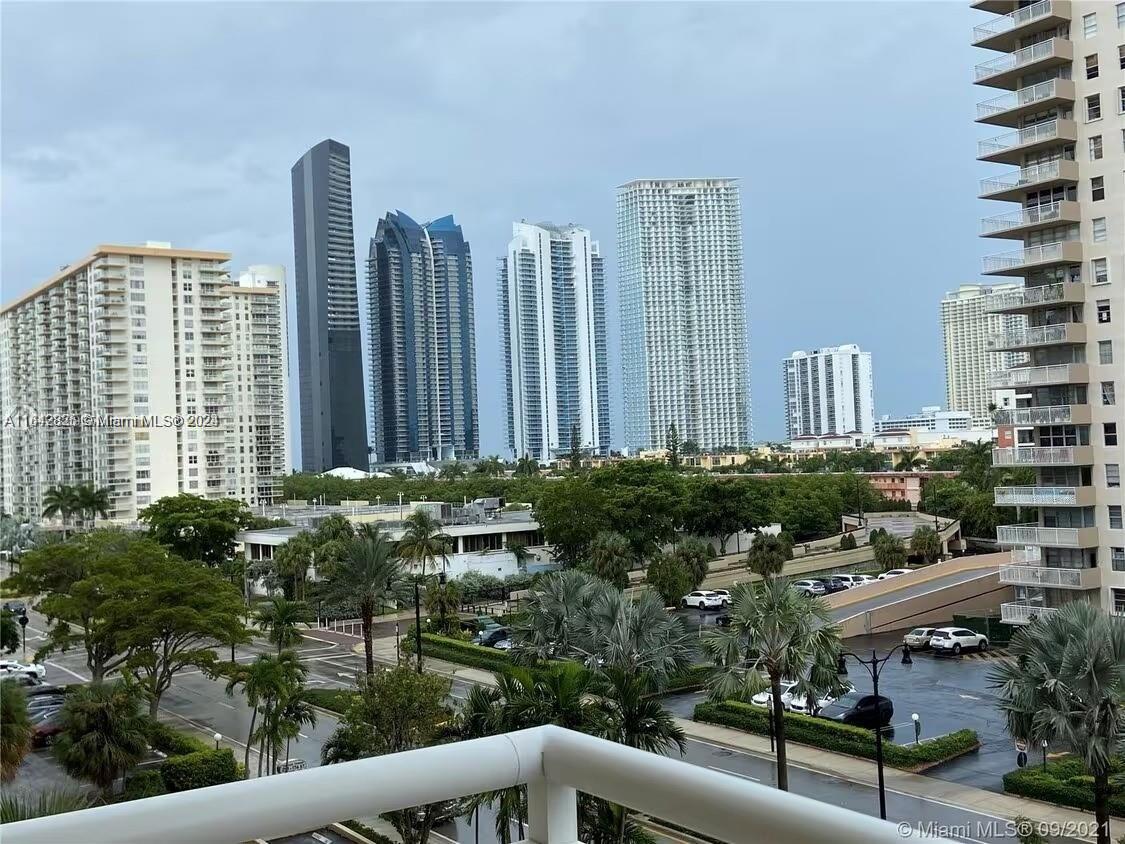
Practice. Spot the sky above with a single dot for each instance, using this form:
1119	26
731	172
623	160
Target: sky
848	124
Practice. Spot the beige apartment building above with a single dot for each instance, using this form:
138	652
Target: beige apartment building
1057	80
147	371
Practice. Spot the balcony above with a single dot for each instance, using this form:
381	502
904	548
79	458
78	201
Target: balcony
1030	298
1015	224
1021	612
1031	455
1029	556
553	762
1040	376
1060	414
1039	335
1010	108
1031	534
1019	261
1049	577
1011	147
1044	496
1005	32
1005	71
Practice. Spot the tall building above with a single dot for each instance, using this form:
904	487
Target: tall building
828	391
1061	97
932	419
423	341
967	323
552	317
684	349
140	369
329	350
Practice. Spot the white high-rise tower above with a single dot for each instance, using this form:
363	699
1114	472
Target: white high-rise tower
828	391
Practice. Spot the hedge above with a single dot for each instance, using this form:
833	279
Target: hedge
367	832
839	738
172	742
1066	783
144	784
689	680
464	653
199	770
336	700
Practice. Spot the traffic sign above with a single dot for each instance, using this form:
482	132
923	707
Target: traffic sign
1021	745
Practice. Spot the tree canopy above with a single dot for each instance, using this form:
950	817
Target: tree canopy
197	528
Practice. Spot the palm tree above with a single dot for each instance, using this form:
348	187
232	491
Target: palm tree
611	557
1064	684
527	467
453	472
768	554
775	633
24	806
365	575
292	560
268	682
890	552
91	502
62	502
9	632
15	730
281	619
519	550
423	542
103	733
926	543
491	467
443	600
909	461
295	713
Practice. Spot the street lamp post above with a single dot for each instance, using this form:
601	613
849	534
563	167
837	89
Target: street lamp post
874	666
218	738
917	727
441	581
418	624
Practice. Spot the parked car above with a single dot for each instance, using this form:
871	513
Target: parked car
503	645
919	637
15	607
860	710
765	698
800	703
724	596
489	638
723	620
955	639
27	681
854	580
832	584
809	587
10	666
893	573
39	703
38	691
701	599
45	725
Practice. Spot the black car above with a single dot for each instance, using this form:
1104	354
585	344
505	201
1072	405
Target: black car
15	607
860	710
488	638
832	584
44	690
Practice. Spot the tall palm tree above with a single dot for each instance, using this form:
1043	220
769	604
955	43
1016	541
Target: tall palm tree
91	502
423	542
267	682
1064	684
295	713
775	633
281	620
365	575
103	733
527	467
291	562
15	730
909	461
443	601
611	557
60	501
768	554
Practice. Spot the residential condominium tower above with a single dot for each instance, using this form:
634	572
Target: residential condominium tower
1058	91
329	350
967	323
828	391
683	312
552	317
423	341
142	370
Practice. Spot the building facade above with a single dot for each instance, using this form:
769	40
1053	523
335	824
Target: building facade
828	391
551	295
1061	96
329	349
967	323
137	369
684	350
931	418
422	341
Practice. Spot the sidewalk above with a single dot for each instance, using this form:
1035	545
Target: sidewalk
917	785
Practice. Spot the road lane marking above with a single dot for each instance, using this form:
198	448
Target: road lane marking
223	703
68	671
733	773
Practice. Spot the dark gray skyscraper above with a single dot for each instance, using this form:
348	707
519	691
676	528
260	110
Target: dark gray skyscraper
329	353
423	343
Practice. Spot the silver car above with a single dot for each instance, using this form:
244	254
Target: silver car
809	587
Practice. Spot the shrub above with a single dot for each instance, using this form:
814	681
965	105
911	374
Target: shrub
172	742
144	784
839	738
337	700
367	832
463	653
691	679
847	542
1066	783
199	770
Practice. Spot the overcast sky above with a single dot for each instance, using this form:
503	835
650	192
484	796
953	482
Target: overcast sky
849	125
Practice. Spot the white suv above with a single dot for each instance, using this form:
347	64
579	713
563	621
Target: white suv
955	639
701	599
34	669
809	587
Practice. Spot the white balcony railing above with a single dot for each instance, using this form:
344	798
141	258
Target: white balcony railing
1029	416
1032	534
554	763
1048	213
1016	99
1023	257
1044	294
1041	576
1029	376
1004	23
1031	135
1035	496
1018	612
1028	556
1035	336
1031	455
1011	61
1015	179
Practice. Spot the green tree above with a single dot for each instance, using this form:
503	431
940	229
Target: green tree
696	556
909	461
668	575
443	602
453	471
611	558
926	543
281	619
91	502
642	500
672	446
847	542
9	632
423	542
574	458
491	467
519	550
268	683
775	633
721	508
527	467
395	710
571	512
62	502
890	552
365	576
689	447
768	554
197	528
103	733
291	563
15	730
1064	684
294	714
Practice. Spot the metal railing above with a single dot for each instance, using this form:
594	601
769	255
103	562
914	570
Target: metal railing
1044	294
1027	416
1027	556
1029	376
1032	534
1035	496
1017	612
1019	17
1015	99
1044	131
1023	257
1041	576
553	762
1024	217
1024	176
1033	455
1035	336
1011	61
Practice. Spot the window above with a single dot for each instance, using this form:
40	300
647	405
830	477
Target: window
1108	396
1095	147
1114	516
1099	229
1089	25
1097	188
1105	351
1094	107
1104	314
1100	271
1109	433
1121	56
1121	100
1113	474
1092	66
1121	15
1117	556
